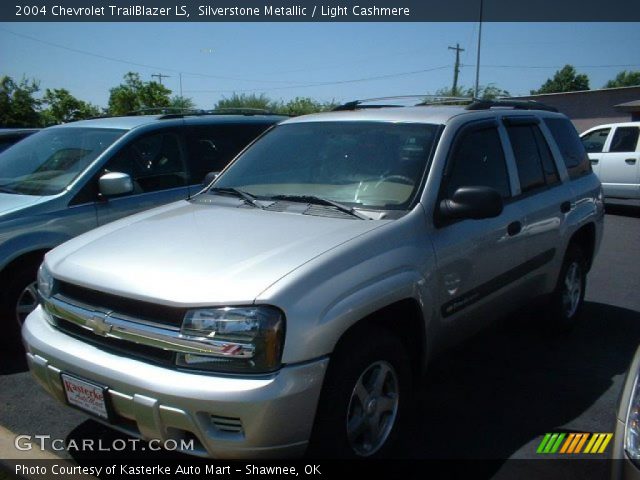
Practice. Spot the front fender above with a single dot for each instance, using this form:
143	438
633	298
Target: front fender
24	243
315	337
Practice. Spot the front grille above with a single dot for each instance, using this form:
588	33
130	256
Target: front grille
134	350
151	312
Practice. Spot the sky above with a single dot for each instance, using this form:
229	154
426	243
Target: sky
326	61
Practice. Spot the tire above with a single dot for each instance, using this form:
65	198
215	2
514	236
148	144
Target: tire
566	302
21	281
356	402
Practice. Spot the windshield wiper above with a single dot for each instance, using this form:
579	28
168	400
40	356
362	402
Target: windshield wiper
247	197
314	200
4	189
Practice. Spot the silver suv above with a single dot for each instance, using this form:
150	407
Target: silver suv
65	180
292	303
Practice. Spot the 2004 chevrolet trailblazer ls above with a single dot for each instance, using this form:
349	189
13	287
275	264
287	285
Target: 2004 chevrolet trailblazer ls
293	301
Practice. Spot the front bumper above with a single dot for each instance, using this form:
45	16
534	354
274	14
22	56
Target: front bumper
229	417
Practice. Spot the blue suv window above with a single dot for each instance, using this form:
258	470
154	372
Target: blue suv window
154	162
47	162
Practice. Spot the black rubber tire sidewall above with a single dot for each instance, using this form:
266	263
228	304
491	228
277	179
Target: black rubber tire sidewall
349	361
17	280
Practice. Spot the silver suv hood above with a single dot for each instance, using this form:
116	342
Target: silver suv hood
189	254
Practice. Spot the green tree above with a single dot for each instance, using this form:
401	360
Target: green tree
624	79
63	107
185	103
244	100
134	94
303	106
485	92
488	92
567	79
18	107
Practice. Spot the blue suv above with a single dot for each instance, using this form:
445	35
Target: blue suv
65	180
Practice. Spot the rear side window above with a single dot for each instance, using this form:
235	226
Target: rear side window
211	148
536	168
573	153
594	141
625	139
478	160
528	160
548	163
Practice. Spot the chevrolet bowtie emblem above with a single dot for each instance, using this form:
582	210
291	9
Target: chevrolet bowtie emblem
99	325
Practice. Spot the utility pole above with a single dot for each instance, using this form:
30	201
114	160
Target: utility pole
159	76
477	87
456	69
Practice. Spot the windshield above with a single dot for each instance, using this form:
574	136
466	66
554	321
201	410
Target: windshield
372	165
48	161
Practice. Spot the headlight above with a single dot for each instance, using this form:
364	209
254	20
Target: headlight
45	281
632	432
245	339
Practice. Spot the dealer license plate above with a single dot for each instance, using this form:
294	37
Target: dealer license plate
86	396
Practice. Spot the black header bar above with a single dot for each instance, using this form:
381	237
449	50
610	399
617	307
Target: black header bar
319	11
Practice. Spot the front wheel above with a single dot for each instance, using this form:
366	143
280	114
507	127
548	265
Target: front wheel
19	299
364	397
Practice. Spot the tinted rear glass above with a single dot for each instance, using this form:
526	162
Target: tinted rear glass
573	153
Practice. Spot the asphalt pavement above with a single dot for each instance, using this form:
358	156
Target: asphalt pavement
494	396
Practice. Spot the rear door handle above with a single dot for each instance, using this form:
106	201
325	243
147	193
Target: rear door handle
514	228
594	161
630	161
565	207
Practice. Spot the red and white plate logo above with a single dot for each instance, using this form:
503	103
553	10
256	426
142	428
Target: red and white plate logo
85	395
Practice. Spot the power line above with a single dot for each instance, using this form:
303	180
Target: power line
287	84
554	66
136	64
323	84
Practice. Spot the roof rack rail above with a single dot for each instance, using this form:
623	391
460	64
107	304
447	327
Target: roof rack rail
506	103
221	111
421	100
241	111
165	111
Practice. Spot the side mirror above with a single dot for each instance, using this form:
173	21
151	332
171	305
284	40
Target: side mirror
472	202
113	184
210	177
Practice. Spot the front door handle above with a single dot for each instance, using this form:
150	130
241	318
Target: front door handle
565	207
594	161
514	228
630	161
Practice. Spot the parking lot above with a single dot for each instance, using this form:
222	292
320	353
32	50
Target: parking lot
492	397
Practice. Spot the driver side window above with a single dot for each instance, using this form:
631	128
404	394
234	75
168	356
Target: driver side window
478	160
154	162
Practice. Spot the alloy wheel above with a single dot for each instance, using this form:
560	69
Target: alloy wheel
27	302
373	408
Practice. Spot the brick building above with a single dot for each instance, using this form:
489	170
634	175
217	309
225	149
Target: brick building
589	108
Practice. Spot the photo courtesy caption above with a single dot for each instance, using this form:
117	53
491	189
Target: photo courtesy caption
125	469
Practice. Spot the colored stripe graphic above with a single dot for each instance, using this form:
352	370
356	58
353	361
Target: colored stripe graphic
543	443
570	439
582	442
574	442
606	441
